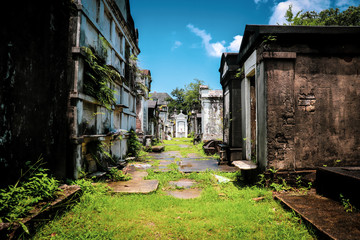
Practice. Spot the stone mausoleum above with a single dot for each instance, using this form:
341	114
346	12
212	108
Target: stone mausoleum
181	125
299	96
211	113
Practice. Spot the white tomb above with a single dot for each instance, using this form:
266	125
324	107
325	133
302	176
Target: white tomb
181	125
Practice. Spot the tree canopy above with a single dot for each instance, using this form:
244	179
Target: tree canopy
328	17
186	98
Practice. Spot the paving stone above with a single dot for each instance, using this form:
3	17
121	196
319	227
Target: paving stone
188	165
136	185
157	148
185	194
167	154
193	155
183	183
141	165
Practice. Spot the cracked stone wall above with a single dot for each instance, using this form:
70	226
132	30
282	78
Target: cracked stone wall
312	111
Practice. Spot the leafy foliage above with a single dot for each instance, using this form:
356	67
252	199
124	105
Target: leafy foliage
90	188
99	78
186	98
33	186
178	101
134	145
118	175
328	17
348	207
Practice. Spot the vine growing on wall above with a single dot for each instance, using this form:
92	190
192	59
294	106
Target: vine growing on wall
99	78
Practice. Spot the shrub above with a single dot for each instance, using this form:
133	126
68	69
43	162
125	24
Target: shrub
134	145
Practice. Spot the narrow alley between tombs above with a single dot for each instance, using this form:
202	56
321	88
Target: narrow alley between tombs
124	119
193	198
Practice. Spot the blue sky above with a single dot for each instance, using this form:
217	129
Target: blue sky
181	40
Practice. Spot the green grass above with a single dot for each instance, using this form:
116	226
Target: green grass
177	144
223	211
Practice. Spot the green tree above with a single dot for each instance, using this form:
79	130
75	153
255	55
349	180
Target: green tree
177	102
186	98
328	17
192	97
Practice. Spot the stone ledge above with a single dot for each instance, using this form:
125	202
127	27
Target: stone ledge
327	216
244	165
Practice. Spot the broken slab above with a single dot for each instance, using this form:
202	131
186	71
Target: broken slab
141	165
327	216
42	213
157	148
185	194
136	185
145	186
244	165
167	154
193	165
183	183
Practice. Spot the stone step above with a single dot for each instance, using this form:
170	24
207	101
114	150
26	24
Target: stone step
333	181
326	215
244	165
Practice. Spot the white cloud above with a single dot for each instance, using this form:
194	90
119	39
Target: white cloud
279	10
260	1
235	45
176	45
217	48
346	3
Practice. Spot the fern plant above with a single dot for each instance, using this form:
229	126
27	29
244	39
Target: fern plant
33	186
99	78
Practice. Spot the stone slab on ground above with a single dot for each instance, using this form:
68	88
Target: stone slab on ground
157	148
183	183
136	185
326	215
186	193
193	155
141	165
145	186
188	165
167	154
